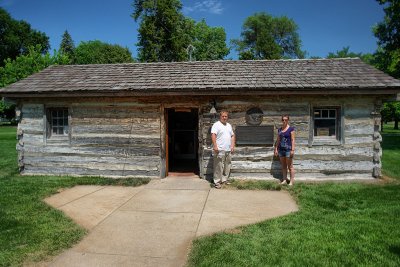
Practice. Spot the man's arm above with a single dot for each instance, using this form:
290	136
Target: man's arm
214	141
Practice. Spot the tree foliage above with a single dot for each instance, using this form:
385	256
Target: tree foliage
25	65
163	31
387	31
97	52
346	53
22	67
67	46
17	36
266	37
166	35
391	112
209	42
387	57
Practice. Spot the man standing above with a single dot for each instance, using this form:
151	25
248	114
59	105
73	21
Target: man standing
223	140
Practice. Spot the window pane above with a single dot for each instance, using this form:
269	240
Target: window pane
325	113
317	113
59	121
325	127
332	113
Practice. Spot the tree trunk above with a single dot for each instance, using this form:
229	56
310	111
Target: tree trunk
396	124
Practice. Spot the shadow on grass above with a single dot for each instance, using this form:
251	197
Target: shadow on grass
395	250
391	142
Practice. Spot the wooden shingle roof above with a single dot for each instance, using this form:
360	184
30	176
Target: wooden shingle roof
208	77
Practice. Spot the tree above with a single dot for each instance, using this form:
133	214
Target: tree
97	52
391	112
387	57
388	34
388	31
267	37
22	67
163	31
209	42
17	36
25	65
346	53
67	46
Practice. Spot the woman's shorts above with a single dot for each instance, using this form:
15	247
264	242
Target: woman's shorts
284	154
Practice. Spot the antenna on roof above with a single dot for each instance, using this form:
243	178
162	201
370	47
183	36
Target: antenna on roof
190	50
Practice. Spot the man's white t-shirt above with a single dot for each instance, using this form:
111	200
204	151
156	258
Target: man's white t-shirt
224	134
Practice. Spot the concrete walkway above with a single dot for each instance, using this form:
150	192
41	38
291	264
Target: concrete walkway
154	225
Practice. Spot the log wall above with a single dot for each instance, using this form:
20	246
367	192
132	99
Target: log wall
126	137
358	154
121	139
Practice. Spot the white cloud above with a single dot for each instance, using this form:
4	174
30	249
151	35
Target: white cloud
210	6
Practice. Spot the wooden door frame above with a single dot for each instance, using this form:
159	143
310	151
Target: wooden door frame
165	135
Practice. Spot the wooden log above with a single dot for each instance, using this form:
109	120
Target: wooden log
89	172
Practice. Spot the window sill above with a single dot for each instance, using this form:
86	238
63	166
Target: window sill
58	140
326	141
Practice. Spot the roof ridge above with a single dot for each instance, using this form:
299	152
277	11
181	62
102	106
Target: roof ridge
214	61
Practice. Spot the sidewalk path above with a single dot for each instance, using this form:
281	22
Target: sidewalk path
154	225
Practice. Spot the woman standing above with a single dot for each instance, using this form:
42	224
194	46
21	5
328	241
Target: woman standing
284	147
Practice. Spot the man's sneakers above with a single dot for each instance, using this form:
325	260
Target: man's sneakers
217	185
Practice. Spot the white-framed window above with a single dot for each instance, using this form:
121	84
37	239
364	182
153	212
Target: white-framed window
57	122
326	124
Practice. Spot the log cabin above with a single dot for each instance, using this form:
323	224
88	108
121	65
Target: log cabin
154	119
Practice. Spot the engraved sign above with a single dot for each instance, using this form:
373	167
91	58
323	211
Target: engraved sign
255	135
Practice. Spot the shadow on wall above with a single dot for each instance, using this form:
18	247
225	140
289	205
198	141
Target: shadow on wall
276	168
209	170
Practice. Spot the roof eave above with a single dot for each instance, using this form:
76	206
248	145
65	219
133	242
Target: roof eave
208	92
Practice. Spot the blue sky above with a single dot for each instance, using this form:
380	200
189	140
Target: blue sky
324	25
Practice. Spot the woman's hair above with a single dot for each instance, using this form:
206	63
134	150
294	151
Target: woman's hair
285	116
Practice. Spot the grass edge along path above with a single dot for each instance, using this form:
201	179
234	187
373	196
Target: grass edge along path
338	224
30	230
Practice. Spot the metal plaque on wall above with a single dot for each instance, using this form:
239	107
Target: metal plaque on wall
255	135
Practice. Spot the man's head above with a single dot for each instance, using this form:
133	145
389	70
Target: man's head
223	116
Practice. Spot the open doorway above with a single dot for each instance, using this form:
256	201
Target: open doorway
183	144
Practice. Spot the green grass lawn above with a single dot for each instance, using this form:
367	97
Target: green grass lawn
31	231
388	128
338	224
391	155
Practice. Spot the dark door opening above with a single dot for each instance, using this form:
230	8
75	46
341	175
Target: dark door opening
183	140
